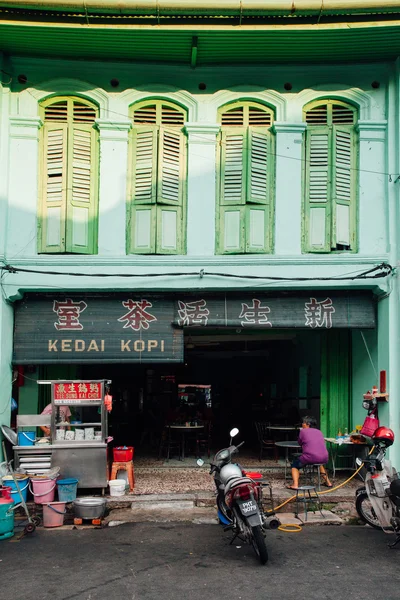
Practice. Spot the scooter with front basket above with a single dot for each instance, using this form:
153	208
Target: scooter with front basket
239	501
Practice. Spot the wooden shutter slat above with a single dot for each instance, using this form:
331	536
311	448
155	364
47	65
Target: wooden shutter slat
170	183
146	115
81	231
343	186
54	188
258	163
145	166
318	230
233	117
233	166
81	165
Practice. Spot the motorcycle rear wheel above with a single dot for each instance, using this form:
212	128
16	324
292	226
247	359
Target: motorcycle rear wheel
258	543
365	510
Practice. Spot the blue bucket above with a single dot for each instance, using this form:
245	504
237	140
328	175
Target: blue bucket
67	489
23	484
26	438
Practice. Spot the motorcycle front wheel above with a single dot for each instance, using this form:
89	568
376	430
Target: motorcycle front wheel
366	511
258	543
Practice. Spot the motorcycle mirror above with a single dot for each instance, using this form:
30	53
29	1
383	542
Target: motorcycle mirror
233	432
200	462
358	462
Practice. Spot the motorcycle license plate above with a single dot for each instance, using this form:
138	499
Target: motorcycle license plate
248	507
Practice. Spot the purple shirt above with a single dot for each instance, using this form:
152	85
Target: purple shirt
312	446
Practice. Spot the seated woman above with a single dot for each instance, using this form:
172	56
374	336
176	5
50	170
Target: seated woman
313	450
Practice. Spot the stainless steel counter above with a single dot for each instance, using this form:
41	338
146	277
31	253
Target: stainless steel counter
87	461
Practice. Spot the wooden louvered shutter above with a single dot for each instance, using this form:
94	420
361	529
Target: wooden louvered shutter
344	188
170	190
233	189
318	201
233	166
54	188
144	190
258	190
82	190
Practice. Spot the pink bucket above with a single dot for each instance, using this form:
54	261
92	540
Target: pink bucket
43	490
53	514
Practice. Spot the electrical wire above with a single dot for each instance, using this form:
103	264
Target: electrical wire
377	272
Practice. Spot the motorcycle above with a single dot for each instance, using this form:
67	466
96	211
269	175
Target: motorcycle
239	501
378	502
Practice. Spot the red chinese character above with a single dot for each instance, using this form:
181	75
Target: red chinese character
138	316
68	313
193	313
319	314
255	314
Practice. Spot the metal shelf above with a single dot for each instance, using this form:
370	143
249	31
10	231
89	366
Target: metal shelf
98	424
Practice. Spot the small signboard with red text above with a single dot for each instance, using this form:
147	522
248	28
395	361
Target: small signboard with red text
76	392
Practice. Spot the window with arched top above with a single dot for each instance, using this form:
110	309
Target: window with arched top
69	176
245	179
157	189
331	149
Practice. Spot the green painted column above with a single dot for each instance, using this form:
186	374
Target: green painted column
6	344
335	381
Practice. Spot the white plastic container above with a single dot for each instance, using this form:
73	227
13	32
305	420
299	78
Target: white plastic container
79	434
117	487
89	433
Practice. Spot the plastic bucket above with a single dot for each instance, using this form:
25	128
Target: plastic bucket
53	514
43	490
117	487
67	489
23	484
26	438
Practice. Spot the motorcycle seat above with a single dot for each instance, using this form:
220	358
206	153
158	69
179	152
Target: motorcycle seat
236	481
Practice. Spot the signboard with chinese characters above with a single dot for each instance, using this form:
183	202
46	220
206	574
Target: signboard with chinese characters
78	328
129	327
305	310
76	392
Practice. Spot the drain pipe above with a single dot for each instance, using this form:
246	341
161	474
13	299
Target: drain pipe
212	7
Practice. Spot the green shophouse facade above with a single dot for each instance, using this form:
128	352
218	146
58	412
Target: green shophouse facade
242	152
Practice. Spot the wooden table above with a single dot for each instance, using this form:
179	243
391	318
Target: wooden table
184	429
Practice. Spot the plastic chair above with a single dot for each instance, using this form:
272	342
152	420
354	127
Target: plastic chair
265	442
125	466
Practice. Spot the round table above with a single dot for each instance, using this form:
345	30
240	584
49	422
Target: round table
288	444
285	428
184	429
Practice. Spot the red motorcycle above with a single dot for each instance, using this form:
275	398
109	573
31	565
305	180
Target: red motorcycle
239	501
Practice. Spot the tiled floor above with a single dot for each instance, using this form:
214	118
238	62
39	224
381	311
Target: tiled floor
162	477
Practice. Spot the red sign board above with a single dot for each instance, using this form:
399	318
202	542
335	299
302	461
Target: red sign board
81	391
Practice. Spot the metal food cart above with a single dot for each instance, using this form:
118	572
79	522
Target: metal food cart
79	448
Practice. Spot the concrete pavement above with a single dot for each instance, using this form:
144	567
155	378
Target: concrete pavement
149	561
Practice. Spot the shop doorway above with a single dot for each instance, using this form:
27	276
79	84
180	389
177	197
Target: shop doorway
228	378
